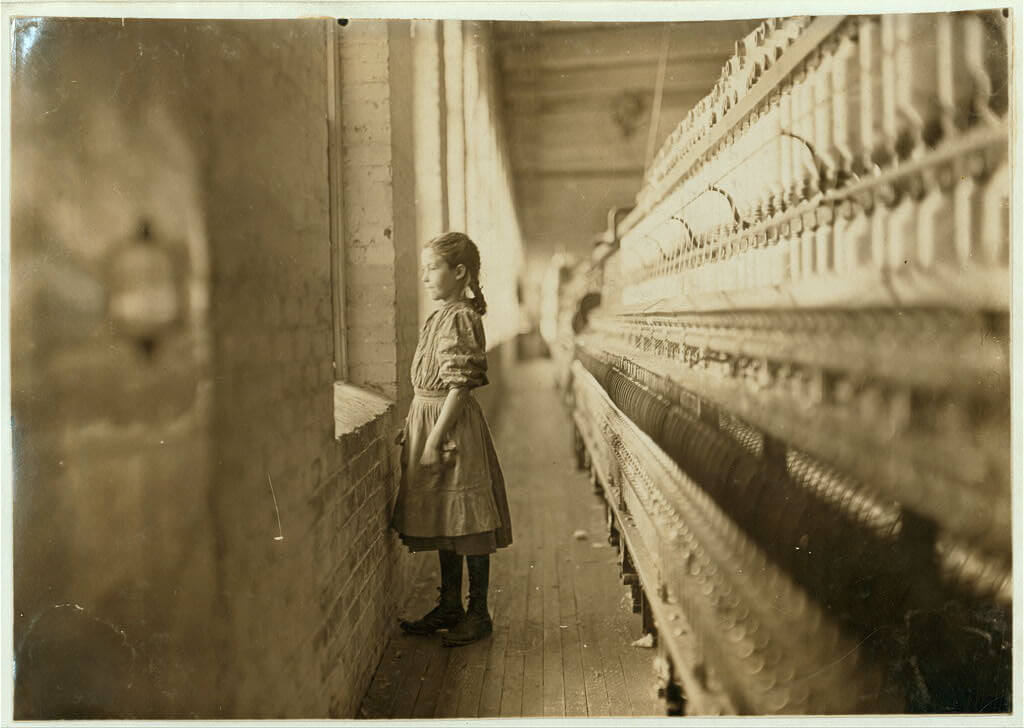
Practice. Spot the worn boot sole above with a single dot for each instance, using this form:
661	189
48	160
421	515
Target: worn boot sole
418	629
449	641
412	629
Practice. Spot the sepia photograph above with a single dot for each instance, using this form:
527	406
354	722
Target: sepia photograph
416	361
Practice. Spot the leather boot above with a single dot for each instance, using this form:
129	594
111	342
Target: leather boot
477	623
449	611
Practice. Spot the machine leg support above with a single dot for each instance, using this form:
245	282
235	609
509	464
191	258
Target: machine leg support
647	617
675	701
631	579
579	449
613	531
669	688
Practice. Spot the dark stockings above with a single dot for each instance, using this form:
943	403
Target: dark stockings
451	577
477	622
479	568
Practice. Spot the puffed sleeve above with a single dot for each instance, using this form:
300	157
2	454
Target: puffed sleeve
461	350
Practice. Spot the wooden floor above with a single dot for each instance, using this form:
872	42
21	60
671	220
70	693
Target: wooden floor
563	621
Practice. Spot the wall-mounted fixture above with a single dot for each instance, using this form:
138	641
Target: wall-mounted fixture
145	289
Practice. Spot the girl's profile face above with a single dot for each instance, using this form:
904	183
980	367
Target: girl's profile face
442	282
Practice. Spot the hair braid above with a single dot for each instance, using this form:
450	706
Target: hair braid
478	301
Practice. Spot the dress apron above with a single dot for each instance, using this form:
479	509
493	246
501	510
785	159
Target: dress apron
459	504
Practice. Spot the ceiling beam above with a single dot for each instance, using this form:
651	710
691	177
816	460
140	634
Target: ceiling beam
547	96
581	171
513	63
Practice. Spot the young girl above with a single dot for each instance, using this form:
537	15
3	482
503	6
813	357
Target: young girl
452	493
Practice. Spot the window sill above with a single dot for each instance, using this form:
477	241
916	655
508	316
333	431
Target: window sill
355	407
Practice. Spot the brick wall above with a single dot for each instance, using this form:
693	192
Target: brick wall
309	614
268	220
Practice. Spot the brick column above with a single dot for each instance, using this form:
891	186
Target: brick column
378	189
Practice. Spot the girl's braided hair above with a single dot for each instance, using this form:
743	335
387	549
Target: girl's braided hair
458	249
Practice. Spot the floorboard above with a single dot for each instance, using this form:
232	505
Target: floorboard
432	680
533	636
572	658
494	672
554	686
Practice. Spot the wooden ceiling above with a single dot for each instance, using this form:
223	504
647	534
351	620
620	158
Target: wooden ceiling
578	99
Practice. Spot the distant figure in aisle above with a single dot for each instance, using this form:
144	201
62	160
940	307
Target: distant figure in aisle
452	492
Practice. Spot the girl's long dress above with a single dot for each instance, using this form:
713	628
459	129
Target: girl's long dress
460	506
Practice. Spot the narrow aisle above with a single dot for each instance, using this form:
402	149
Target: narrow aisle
563	620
